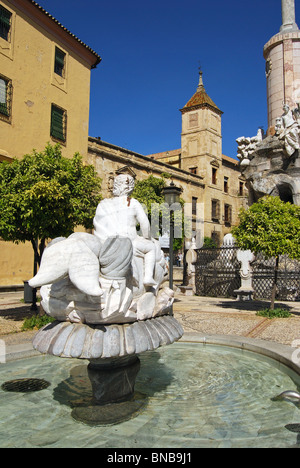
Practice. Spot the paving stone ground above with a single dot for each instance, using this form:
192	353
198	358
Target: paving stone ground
211	316
220	316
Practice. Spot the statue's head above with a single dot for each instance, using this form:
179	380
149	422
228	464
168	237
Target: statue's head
278	125
123	185
286	108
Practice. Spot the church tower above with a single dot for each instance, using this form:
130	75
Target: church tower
282	55
201	138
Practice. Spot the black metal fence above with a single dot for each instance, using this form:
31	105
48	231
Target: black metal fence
218	275
288	283
217	272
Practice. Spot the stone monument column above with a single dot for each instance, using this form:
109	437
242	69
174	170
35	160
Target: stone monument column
288	16
282	55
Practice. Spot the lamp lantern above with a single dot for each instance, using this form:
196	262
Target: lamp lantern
172	194
172	197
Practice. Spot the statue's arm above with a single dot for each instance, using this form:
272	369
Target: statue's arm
142	220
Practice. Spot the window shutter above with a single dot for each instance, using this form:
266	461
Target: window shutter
57	123
3	97
5	17
59	62
2	91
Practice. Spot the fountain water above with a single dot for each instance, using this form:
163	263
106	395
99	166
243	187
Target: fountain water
187	395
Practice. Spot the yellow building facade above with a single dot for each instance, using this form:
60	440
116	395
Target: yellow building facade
44	97
44	82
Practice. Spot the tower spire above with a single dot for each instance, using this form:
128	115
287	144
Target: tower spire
200	85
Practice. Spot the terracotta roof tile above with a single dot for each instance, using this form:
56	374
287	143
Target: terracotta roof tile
200	99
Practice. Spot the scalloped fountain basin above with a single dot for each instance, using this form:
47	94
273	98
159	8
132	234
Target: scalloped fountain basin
195	395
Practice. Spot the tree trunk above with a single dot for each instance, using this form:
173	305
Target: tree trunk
38	253
274	290
38	250
35	247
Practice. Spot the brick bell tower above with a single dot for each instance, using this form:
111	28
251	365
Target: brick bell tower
282	55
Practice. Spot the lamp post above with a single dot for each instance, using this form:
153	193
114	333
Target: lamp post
172	197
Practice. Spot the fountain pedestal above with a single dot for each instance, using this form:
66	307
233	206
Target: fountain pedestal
112	352
113	379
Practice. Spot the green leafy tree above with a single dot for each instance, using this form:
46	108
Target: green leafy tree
209	243
272	227
44	196
150	191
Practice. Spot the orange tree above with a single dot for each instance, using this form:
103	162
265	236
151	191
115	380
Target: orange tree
272	227
44	196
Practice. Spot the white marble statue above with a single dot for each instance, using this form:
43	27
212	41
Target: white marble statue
111	276
278	126
247	146
119	216
290	131
246	291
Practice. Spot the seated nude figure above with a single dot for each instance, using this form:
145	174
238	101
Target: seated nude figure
119	216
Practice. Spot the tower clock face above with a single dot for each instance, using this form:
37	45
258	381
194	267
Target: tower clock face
268	67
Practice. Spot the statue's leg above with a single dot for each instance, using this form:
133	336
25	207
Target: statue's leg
149	268
147	248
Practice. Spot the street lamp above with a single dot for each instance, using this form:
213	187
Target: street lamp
172	197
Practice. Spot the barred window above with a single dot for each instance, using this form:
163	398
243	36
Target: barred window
58	123
59	63
5	23
5	97
215	210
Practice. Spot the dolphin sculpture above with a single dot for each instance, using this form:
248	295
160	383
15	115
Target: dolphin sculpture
288	395
77	257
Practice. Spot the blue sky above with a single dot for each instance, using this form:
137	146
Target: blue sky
151	50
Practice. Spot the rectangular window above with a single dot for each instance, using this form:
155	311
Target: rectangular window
214	176
194	205
193	120
59	64
215	237
193	170
241	189
227	214
5	23
215	210
226	184
58	123
5	96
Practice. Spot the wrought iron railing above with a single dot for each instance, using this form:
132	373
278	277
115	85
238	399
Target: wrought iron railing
217	272
218	275
288	283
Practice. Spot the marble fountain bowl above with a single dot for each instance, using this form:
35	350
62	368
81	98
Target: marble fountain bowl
212	392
